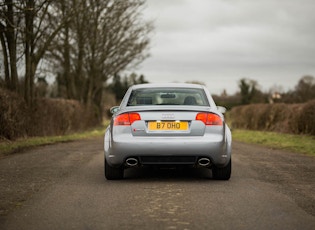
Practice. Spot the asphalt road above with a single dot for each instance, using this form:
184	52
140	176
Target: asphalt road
62	186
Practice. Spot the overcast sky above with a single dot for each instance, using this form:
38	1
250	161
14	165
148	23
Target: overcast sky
218	42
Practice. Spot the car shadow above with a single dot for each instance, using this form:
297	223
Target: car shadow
168	173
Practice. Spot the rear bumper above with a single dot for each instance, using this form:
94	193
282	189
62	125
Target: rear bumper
211	146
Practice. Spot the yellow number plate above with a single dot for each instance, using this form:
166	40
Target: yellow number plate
168	125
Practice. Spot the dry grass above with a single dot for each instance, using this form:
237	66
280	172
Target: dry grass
9	147
296	143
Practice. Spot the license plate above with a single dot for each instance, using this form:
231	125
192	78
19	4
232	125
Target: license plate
168	126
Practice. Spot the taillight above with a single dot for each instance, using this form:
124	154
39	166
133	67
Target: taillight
134	117
209	118
126	118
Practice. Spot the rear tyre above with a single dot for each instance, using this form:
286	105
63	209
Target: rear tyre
112	173
222	173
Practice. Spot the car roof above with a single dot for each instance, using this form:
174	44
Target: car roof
164	85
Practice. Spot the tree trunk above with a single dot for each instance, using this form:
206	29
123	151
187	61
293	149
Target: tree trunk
5	58
66	64
10	34
8	43
29	39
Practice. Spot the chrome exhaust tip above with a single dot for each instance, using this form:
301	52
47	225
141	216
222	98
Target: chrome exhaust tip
204	162
132	162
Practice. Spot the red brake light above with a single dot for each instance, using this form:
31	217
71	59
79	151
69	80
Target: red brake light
134	117
126	118
209	118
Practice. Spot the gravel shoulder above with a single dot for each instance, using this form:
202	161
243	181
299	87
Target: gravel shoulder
292	173
26	173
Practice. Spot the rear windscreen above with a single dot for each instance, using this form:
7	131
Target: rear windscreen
168	96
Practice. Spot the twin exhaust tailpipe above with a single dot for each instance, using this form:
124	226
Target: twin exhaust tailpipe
132	162
203	162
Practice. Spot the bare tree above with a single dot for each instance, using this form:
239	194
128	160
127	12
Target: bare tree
103	38
89	41
250	92
8	27
305	89
28	24
39	31
61	52
118	39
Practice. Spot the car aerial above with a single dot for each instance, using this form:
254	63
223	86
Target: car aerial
171	124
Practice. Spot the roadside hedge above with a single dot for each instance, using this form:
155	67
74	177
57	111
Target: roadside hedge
285	118
14	115
46	118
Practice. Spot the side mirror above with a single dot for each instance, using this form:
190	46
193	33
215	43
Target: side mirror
114	109
221	109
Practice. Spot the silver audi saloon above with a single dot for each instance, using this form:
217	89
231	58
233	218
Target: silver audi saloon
172	124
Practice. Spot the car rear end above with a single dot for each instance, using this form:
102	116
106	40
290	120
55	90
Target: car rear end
167	131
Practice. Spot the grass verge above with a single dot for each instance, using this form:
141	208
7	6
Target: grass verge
9	147
296	143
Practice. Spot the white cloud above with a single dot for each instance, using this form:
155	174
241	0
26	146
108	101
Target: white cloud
220	41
